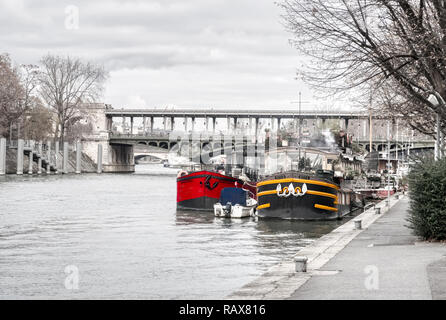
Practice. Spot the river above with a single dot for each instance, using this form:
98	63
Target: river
116	236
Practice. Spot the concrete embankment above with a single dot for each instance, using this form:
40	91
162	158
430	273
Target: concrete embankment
87	165
383	260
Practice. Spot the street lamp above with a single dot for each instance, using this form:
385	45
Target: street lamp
433	99
388	163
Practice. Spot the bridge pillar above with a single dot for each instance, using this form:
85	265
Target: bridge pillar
165	123
228	123
65	158
213	124
235	123
185	123
39	162
193	124
99	160
123	124
2	156
172	123
109	123
151	124
48	157
20	153
131	125
364	130
256	127
144	125
56	157
120	158
78	157
341	124
30	157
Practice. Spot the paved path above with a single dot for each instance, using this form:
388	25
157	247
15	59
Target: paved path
383	262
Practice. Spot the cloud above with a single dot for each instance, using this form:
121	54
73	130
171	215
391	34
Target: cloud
136	102
219	52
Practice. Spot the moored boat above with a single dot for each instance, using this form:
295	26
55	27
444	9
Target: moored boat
235	203
384	192
303	196
200	190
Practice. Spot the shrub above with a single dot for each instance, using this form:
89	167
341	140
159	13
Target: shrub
427	188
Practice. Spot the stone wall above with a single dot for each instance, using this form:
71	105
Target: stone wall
87	164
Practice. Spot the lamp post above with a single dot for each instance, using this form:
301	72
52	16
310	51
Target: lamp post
433	99
388	163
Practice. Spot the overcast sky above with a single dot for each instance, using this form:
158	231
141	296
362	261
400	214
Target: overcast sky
189	53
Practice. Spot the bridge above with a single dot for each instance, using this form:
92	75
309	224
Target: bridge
119	133
235	113
231	116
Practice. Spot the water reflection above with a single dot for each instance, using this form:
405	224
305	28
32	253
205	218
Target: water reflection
185	217
127	239
308	229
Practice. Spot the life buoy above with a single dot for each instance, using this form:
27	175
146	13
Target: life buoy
182	173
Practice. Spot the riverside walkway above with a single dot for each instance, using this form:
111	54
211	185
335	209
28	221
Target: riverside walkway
382	261
386	261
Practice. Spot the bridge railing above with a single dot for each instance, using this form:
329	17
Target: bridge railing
117	135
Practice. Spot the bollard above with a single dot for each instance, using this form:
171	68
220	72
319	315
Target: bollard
65	158
300	263
56	157
358	224
377	210
78	156
2	156
48	157
20	150
39	161
30	157
99	158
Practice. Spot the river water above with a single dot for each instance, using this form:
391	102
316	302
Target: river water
119	236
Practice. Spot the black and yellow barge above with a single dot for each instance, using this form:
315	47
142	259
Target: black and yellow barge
303	196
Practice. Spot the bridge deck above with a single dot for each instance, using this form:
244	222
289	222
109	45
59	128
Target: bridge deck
246	113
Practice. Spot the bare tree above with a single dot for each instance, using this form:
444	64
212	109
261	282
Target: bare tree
65	84
38	123
392	49
17	86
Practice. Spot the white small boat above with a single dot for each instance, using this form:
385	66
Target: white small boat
235	203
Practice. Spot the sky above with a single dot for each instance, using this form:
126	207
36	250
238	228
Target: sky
168	53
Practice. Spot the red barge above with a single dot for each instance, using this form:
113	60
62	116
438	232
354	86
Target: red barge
201	190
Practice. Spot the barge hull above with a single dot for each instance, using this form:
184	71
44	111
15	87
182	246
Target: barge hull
321	201
201	190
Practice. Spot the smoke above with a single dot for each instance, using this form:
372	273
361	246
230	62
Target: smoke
329	139
324	140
